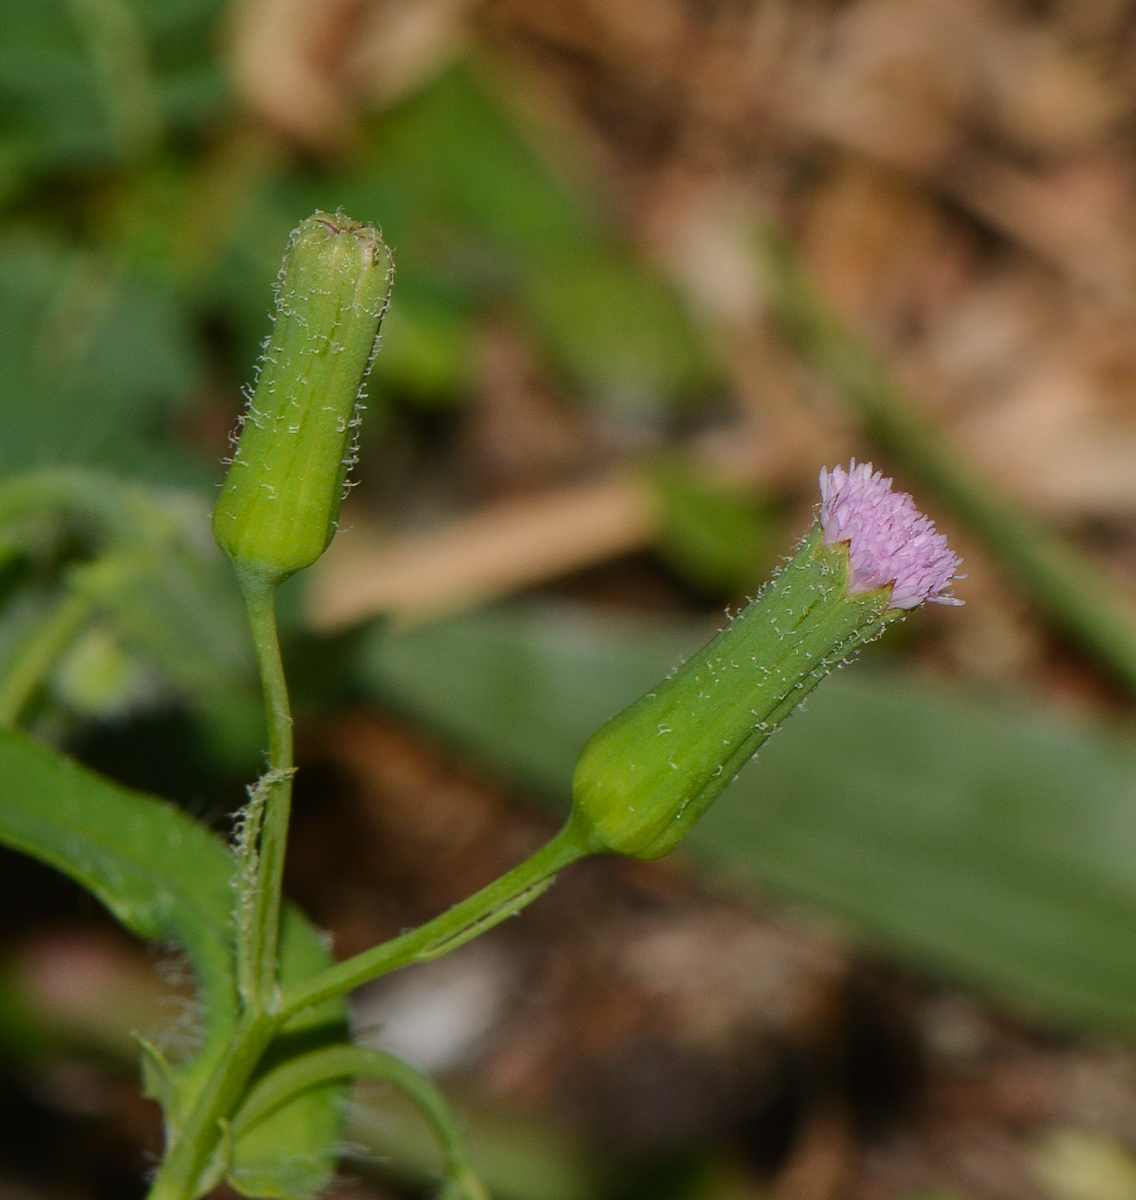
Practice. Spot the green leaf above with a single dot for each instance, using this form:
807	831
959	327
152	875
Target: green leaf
304	1072
716	537
158	872
987	842
617	330
167	878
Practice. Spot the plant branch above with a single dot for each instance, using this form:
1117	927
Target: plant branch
187	1156
313	1070
264	839
503	898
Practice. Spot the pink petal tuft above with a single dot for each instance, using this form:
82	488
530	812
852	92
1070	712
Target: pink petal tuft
889	539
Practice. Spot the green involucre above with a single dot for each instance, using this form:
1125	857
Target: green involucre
651	772
281	497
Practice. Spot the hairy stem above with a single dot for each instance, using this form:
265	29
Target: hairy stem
259	881
186	1169
493	904
263	847
503	898
187	1156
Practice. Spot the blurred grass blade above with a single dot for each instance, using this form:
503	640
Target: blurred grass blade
1073	592
41	648
165	877
987	842
483	227
714	536
118	55
991	845
525	685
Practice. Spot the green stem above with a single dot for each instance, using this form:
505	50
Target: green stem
258	916
39	653
184	1169
480	912
291	1079
188	1153
1065	583
188	1156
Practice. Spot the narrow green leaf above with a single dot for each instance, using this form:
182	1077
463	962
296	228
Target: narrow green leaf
159	873
167	878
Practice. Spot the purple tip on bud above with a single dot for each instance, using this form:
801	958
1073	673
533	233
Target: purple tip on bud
889	539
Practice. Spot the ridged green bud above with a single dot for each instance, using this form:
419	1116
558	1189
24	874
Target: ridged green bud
280	501
651	772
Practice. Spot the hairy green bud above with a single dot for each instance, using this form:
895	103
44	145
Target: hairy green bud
278	507
650	773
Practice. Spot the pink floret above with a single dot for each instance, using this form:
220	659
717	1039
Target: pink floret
889	539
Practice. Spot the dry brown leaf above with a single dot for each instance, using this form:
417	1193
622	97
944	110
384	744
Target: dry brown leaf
401	44
480	557
284	55
1076	216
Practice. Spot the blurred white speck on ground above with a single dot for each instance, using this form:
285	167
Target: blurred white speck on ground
434	1016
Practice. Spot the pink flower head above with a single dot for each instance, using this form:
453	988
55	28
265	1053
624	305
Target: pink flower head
889	539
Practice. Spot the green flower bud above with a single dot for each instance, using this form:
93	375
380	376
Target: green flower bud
278	507
651	772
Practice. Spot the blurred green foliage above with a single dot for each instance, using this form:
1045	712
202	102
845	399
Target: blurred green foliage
95	363
144	226
717	537
144	231
89	84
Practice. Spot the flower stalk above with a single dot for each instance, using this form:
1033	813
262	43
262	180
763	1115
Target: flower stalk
642	781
